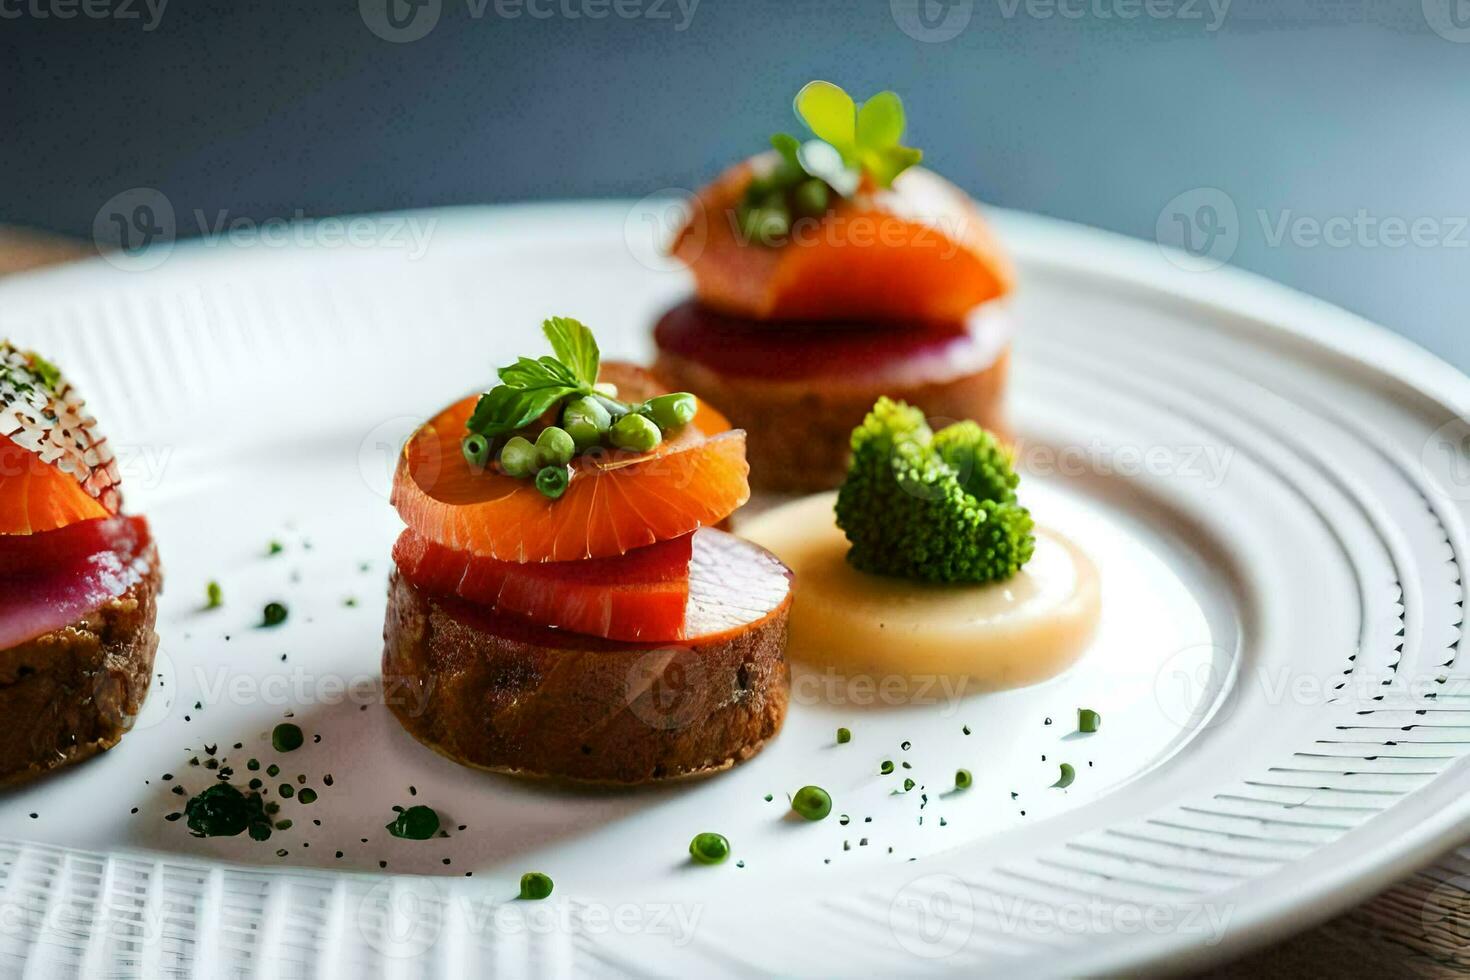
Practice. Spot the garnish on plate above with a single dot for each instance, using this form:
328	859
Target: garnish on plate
854	147
709	848
932	507
878	276
559	541
563	387
79	579
925	562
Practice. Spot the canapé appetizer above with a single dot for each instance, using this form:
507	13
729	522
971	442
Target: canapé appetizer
562	604
78	579
828	273
932	566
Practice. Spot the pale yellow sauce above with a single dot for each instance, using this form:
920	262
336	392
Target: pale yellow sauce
989	637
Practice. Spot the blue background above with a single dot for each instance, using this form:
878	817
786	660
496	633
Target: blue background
1295	110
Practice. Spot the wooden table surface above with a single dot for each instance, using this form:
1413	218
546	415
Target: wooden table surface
1419	928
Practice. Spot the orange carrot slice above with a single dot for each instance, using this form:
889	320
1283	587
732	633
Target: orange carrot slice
37	497
920	252
614	504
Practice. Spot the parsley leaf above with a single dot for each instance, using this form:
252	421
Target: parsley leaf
867	138
533	386
505	409
543	372
574	347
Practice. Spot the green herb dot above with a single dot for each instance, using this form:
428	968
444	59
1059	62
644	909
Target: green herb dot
415	823
908	784
843	736
272	770
886	767
307	795
286	790
535	886
287	737
812	802
275	548
253	765
1065	780
963	779
709	848
214	596
274	615
1088	720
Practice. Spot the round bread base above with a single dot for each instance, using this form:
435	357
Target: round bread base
499	693
74	692
799	428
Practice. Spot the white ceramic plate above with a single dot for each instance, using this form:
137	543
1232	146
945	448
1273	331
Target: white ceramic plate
1275	493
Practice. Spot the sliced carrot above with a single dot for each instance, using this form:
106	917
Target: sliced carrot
36	496
638	596
614	504
920	252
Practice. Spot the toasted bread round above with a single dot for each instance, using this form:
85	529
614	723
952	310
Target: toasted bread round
74	692
798	390
498	692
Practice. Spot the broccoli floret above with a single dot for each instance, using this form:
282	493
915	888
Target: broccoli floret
933	507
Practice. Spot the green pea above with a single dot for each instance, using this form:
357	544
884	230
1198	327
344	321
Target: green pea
476	449
554	447
287	737
811	198
671	411
636	433
586	421
963	779
552	481
709	848
812	802
535	886
518	458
